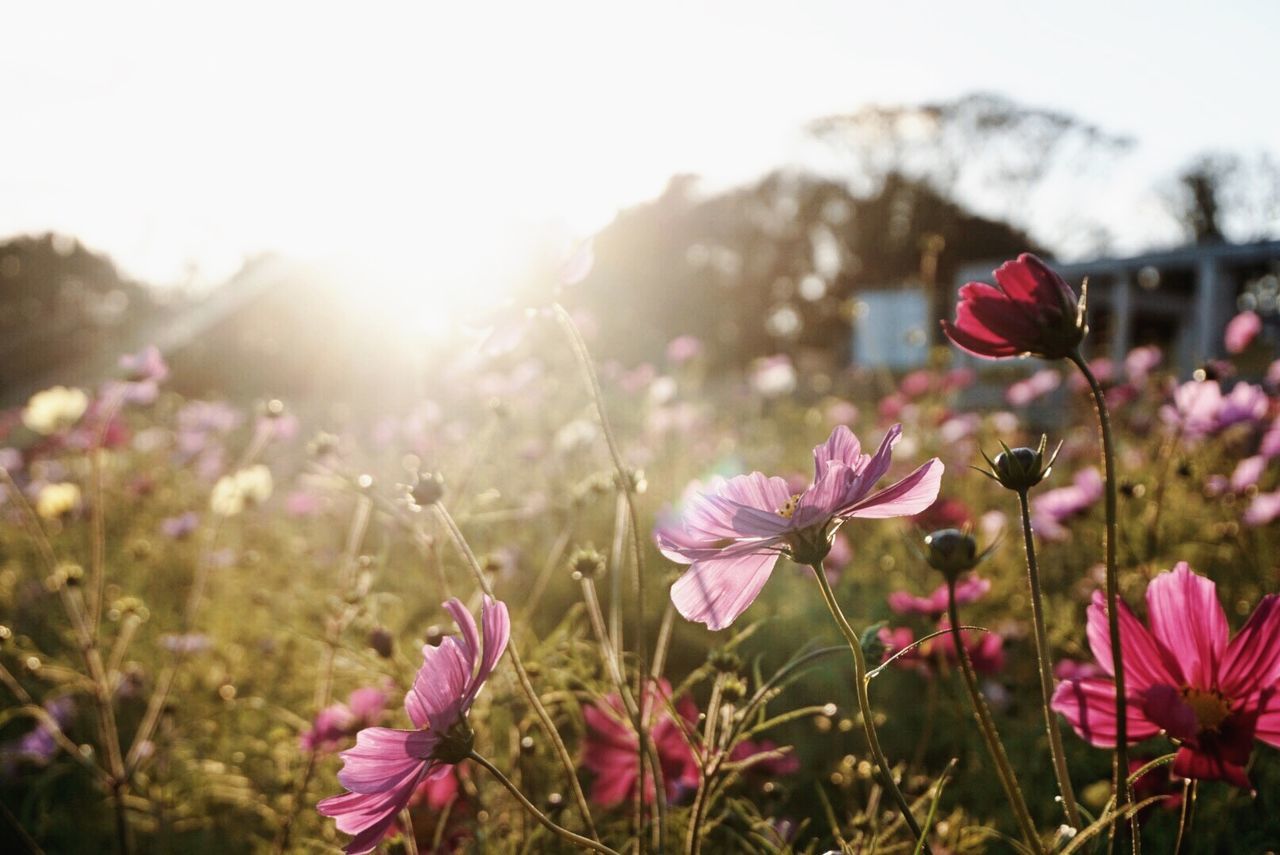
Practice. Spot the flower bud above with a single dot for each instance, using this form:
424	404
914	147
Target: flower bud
733	689
725	661
951	552
382	641
872	645
1020	469
428	489
586	563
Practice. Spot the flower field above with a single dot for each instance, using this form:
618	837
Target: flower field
585	606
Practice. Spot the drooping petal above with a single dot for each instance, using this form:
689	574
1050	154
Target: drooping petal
466	623
1145	663
1252	660
714	591
1187	619
1192	762
497	632
1089	706
368	816
382	756
911	495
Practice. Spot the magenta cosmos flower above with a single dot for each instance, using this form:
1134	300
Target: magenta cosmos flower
1185	677
610	749
732	536
387	765
1029	311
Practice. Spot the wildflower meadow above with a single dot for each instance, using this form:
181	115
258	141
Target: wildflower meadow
579	605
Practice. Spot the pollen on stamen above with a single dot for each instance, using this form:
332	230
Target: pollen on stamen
789	509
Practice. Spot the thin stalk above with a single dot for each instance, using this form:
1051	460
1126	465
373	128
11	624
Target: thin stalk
987	726
410	841
543	820
1187	814
522	676
609	652
333	636
1056	750
626	486
864	703
1120	763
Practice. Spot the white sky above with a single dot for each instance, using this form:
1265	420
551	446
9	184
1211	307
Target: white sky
170	134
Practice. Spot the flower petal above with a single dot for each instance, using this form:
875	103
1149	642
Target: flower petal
436	698
369	815
909	496
497	632
1252	660
1089	706
1145	663
382	756
715	591
1186	617
841	447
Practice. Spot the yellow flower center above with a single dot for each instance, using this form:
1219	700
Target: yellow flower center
1210	707
789	508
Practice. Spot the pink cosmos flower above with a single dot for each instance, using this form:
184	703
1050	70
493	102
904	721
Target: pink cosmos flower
1185	677
1199	408
144	372
733	535
1141	361
386	766
985	649
682	348
337	723
1052	508
610	752
1241	330
1264	508
1030	310
969	590
1036	386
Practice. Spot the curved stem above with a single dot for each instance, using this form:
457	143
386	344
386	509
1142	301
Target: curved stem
987	726
864	703
559	831
530	693
1187	814
1046	673
1121	760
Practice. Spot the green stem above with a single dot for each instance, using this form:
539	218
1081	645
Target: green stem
1046	673
626	485
1121	760
559	831
864	703
987	726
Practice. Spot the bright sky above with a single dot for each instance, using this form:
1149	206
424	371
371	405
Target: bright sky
417	141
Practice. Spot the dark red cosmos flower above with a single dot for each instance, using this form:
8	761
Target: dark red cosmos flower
1030	310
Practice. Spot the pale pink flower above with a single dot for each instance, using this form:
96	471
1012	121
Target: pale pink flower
386	766
971	589
733	535
1241	331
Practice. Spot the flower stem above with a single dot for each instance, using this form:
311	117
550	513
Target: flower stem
987	726
522	676
559	831
626	486
1120	762
1046	674
864	703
